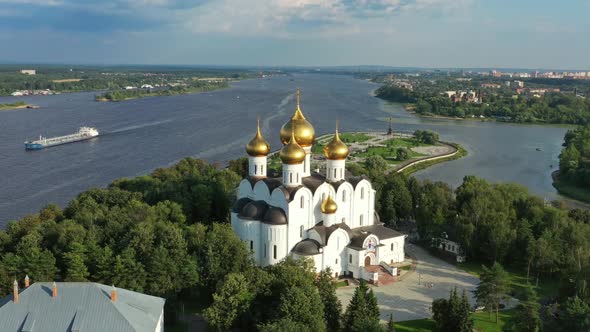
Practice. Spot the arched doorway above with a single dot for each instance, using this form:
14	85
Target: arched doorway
367	260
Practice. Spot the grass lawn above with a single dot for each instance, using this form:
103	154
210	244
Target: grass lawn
570	190
482	322
354	137
547	287
486	323
419	325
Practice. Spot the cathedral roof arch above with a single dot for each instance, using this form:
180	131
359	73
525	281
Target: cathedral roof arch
240	203
254	210
307	247
275	216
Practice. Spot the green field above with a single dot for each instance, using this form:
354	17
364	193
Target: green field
389	151
482	322
547	287
354	137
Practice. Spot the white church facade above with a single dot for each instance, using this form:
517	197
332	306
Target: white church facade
329	218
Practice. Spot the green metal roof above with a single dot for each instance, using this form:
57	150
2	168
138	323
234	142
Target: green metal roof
79	307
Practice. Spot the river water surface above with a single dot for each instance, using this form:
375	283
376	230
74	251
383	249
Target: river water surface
140	135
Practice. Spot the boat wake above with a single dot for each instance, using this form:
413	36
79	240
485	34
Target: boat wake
139	126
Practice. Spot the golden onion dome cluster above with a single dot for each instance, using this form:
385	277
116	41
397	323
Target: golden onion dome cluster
292	153
329	206
304	132
258	146
336	149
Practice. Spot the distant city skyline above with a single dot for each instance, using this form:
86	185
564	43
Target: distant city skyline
402	33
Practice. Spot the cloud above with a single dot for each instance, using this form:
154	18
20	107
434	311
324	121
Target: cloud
278	18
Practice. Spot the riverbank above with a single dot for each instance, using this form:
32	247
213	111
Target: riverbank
411	108
569	190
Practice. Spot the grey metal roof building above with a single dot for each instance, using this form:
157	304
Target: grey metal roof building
80	307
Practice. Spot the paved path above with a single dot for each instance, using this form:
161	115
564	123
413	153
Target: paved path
409	300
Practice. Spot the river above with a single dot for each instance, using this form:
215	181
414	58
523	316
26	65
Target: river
140	135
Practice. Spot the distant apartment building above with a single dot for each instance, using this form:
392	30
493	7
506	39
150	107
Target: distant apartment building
517	84
28	71
491	85
466	96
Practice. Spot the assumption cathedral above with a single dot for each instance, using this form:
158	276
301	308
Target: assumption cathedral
328	217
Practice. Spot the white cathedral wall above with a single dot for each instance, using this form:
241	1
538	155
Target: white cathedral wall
362	205
299	213
344	197
274	243
335	252
319	195
392	250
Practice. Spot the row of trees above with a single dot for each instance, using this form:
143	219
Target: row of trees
574	160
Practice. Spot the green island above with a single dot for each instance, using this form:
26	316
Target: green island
526	100
15	105
573	177
193	87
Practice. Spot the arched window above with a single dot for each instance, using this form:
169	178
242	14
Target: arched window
255	169
251	245
362	193
343	195
274	252
301	231
291	177
341	172
334	172
361	219
261	169
392	247
344	220
265	250
302	202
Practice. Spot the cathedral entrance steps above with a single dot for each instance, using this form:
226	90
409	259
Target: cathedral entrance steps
385	278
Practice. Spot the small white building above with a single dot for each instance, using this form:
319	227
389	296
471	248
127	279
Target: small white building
28	71
328	218
447	244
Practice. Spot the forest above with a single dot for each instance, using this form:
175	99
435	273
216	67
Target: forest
168	234
554	107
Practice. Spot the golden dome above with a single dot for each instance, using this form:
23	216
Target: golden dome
292	153
336	149
329	206
258	146
304	132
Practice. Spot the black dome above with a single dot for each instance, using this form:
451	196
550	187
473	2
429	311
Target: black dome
254	210
307	247
240	203
275	216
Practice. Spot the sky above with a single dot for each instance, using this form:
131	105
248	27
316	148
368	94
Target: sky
536	34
